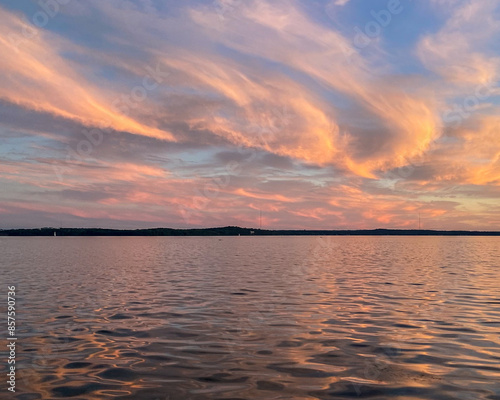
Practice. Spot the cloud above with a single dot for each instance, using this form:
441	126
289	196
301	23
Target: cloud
280	33
460	52
246	105
40	78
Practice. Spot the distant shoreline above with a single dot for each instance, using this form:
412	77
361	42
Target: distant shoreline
237	231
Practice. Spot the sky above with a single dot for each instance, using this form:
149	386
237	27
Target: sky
317	114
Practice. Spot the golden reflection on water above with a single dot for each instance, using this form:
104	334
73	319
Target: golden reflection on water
252	318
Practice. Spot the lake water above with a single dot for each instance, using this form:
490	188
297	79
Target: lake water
182	318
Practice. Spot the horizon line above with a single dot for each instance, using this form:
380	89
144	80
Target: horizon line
232	230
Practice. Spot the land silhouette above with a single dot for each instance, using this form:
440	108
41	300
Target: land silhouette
237	231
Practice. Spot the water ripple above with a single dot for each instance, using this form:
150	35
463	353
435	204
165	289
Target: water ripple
256	318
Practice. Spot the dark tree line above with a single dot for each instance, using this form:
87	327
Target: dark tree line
233	231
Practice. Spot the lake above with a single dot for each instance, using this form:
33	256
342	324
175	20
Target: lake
182	318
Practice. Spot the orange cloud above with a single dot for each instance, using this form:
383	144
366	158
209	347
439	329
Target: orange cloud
37	77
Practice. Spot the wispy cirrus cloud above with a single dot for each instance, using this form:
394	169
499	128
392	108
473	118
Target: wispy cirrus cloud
462	52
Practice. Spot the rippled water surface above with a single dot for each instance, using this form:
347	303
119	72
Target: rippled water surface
183	318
